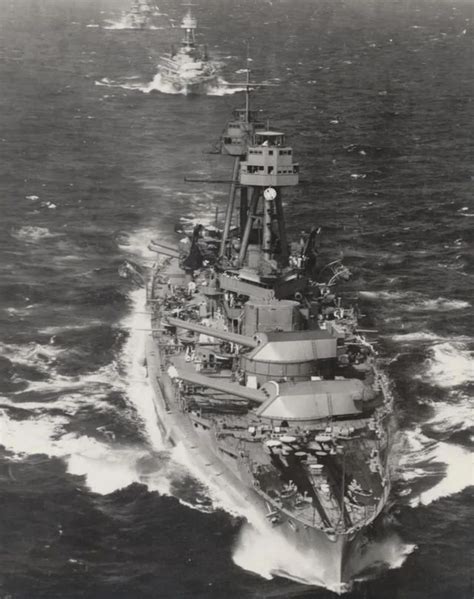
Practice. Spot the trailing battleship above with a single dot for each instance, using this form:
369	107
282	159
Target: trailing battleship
140	14
259	366
188	69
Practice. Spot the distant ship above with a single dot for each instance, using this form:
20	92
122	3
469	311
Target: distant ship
260	368
140	14
188	69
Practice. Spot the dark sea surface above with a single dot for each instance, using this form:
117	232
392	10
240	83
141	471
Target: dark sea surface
376	97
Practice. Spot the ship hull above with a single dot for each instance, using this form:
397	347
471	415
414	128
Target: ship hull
336	557
188	86
336	560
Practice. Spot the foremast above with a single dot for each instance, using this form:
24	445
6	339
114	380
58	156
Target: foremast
268	168
262	161
189	26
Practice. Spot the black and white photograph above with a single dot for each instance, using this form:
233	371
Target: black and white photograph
236	299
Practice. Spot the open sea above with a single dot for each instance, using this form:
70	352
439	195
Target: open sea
376	97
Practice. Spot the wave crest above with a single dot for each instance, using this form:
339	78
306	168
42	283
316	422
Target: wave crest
451	364
221	88
432	469
32	234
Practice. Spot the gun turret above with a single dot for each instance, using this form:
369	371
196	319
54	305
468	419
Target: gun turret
309	400
296	355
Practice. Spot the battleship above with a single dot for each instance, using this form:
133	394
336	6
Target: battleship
258	364
188	69
140	14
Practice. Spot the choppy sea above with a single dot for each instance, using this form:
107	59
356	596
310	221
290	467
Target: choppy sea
376	97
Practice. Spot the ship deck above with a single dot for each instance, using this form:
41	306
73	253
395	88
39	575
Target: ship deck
352	488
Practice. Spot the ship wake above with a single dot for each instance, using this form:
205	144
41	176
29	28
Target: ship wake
434	455
80	419
157	84
430	470
450	364
125	22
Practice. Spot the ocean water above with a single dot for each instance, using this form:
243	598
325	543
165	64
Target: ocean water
376	97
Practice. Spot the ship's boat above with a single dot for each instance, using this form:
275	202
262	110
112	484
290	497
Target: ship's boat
188	69
258	365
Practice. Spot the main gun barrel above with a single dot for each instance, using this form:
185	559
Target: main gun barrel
253	395
210	332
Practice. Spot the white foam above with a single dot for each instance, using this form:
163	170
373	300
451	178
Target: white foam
390	551
138	388
424	458
452	416
120	24
265	551
53	330
451	364
106	82
105	466
30	354
29	436
429	337
43	358
137	243
105	469
221	88
423	336
68	402
414	301
18	312
32	234
385	295
155	85
439	304
125	22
